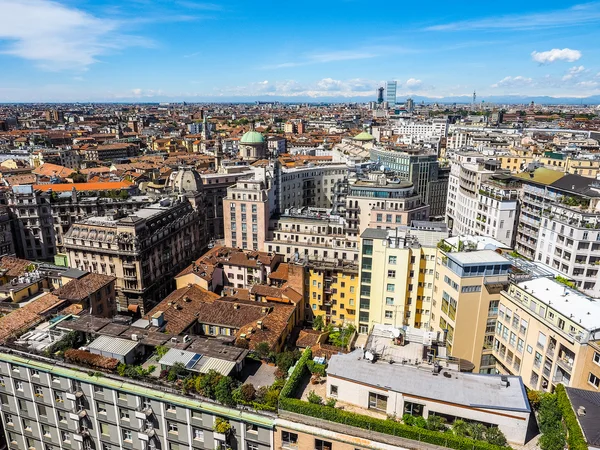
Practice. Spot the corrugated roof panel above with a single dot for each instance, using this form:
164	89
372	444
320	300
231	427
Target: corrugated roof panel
114	345
175	355
220	365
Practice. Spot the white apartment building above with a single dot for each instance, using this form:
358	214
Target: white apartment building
436	128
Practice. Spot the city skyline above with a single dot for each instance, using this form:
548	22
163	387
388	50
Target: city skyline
140	50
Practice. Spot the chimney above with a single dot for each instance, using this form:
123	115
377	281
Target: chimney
236	306
259	324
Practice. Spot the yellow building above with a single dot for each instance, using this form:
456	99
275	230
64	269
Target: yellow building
396	275
465	302
548	334
332	290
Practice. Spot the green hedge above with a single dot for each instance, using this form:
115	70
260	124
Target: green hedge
390	427
291	386
575	439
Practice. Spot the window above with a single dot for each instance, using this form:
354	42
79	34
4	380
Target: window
289	440
390	287
98	389
124	414
45	430
122	396
64	436
251	446
333	390
594	380
35	373
377	401
127	435
597	357
104	429
251	428
389	315
414	409
42	411
58	397
39	392
19	385
172	427
62	417
8	419
198	434
322	445
392	259
170	407
389	301
391	274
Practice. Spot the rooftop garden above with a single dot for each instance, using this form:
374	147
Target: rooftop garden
434	430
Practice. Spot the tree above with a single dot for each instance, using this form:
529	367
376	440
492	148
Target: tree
248	392
436	423
223	391
284	361
262	349
318	323
208	384
176	370
476	431
495	436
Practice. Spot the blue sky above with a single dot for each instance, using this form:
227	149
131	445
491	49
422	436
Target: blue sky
98	50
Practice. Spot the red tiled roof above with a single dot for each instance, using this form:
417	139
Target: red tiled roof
101	186
22	319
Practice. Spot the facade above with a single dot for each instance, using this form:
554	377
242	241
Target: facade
390	93
310	234
144	250
246	212
397	275
467	290
7	245
559	225
420	168
332	291
548	334
498	209
46	405
253	146
109	152
42	217
377	202
464	188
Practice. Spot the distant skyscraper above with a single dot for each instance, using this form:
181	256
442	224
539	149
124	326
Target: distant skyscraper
391	93
380	95
410	105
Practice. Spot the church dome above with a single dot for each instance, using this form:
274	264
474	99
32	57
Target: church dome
252	137
364	136
186	180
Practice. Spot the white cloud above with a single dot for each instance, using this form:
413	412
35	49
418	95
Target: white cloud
517	81
325	87
56	36
573	72
139	93
413	83
570	17
556	54
588	84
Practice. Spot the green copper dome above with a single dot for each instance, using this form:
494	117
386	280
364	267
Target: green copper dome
252	137
364	136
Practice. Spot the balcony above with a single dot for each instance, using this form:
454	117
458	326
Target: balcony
565	364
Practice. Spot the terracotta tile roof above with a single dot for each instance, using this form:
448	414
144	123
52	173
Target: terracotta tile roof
95	170
281	273
79	289
274	326
14	180
180	307
20	320
48	170
101	186
15	267
308	338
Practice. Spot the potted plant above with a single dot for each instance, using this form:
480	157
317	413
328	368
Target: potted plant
222	428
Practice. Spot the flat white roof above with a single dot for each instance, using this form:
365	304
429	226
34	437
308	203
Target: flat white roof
568	302
478	257
114	345
482	242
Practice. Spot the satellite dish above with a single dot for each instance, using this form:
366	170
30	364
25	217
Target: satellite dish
396	332
369	356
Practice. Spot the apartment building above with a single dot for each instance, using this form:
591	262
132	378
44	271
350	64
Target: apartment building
467	291
144	249
332	291
110	152
420	167
422	130
299	184
463	212
559	225
378	202
310	234
498	208
548	334
50	405
246	212
43	214
397	275
7	244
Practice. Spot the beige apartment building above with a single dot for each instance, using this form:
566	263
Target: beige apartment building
466	294
246	212
311	233
396	276
143	250
548	334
